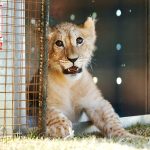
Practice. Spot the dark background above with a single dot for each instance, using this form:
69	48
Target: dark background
130	63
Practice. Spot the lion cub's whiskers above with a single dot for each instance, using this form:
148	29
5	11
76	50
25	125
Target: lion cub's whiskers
63	61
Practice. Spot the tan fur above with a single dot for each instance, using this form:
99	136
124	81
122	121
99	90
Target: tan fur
70	95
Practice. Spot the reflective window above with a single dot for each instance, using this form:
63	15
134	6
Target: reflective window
120	61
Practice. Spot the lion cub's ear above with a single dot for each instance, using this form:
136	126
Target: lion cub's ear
90	24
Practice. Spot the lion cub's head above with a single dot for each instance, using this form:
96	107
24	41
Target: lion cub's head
71	47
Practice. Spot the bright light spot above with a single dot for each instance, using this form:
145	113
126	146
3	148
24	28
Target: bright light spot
118	80
130	10
72	17
32	49
123	65
118	46
94	15
95	80
118	12
32	21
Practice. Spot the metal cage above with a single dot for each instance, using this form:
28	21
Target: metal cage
23	62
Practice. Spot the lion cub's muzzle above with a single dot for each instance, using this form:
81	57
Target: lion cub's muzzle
73	69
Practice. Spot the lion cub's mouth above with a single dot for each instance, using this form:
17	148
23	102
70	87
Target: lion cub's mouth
72	70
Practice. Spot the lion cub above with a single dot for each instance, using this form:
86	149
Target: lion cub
71	89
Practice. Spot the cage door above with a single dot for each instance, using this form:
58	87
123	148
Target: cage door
12	67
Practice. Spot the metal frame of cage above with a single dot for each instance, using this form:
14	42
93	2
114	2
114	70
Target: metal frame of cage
23	65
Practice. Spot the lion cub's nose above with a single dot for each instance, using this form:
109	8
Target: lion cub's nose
72	59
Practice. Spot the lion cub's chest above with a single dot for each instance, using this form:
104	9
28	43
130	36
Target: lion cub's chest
72	109
78	96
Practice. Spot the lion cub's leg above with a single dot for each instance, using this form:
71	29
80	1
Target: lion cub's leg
103	116
58	125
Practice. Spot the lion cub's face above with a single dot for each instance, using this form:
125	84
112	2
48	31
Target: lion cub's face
71	47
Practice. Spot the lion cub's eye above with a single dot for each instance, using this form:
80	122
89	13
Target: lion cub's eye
59	43
79	40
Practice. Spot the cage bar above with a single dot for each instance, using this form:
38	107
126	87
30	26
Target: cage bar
44	63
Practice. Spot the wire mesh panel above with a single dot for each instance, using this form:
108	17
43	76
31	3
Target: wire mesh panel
22	36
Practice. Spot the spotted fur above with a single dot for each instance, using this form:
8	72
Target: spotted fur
70	94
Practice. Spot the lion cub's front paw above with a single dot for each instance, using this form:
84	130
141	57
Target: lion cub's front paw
61	128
